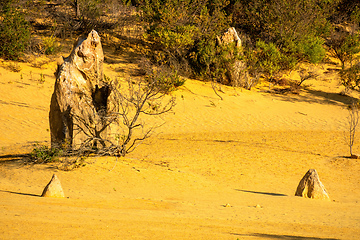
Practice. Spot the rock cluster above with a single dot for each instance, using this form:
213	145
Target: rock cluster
310	186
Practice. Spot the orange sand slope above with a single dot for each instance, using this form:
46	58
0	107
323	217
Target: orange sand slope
217	169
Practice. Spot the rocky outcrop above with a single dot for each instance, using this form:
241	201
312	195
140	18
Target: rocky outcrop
237	74
310	186
53	188
80	98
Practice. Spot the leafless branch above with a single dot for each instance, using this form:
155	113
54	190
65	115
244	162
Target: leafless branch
127	103
353	120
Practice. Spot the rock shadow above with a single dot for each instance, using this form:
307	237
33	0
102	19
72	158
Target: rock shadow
20	193
280	236
11	158
263	193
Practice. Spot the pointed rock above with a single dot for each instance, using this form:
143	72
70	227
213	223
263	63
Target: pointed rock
53	189
310	186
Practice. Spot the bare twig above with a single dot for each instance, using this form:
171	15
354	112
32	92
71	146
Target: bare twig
128	103
353	120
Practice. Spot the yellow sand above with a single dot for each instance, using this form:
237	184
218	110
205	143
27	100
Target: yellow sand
217	169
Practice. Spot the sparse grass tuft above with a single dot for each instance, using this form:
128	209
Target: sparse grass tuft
42	78
44	154
14	67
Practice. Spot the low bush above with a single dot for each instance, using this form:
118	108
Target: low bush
15	34
345	48
350	77
44	154
51	46
312	48
166	79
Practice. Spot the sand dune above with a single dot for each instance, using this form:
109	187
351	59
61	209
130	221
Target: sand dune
217	169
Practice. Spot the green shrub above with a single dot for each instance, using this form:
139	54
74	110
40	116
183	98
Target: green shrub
15	34
90	9
313	49
282	21
269	58
293	30
175	40
350	77
51	46
216	60
44	154
345	48
90	12
184	32
165	79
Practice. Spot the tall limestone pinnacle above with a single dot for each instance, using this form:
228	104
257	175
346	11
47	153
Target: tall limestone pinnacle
80	98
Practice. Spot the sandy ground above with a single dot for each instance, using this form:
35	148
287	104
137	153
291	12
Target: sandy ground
217	169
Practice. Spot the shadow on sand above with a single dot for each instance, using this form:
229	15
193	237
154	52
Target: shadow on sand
19	193
21	160
317	96
278	236
13	157
264	193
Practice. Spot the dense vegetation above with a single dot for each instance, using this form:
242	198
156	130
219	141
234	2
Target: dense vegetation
14	31
181	34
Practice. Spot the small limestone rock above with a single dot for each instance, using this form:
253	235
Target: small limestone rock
227	205
258	206
310	186
53	189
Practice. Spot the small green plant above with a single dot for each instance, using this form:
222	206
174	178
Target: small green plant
44	154
51	46
42	78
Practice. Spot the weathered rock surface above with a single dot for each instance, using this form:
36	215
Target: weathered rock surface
80	96
310	186
230	36
53	188
236	71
